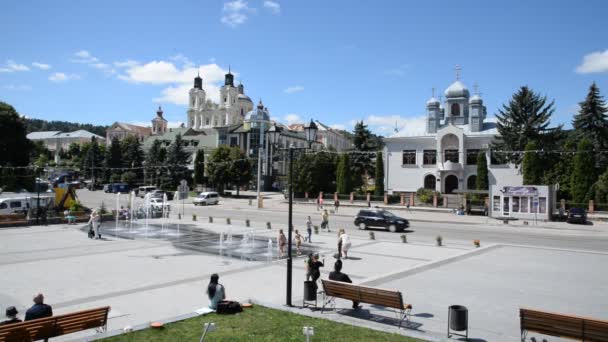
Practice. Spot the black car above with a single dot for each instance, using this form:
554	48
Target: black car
369	218
577	215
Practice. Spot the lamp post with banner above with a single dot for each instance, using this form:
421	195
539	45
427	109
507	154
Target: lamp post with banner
274	132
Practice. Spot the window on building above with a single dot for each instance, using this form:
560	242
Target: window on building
207	122
451	155
515	204
429	182
523	207
472	182
496	203
472	157
409	157
429	157
542	205
455	109
234	141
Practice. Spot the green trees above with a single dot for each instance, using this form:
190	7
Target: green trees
219	167
199	167
481	182
177	161
92	163
362	166
132	153
592	122
113	159
583	172
379	177
532	165
524	119
343	175
315	172
240	169
154	159
14	146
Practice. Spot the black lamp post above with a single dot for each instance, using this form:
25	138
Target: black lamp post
310	133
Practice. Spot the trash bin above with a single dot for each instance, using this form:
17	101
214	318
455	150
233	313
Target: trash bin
310	294
458	319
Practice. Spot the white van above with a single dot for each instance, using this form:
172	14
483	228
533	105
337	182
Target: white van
15	205
21	205
143	190
206	198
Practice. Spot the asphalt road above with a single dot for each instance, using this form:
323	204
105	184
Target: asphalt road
583	238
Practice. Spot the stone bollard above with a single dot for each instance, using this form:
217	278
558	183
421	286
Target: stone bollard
402	199
372	236
445	202
228	220
368	197
385	199
352	197
412	199
268	225
439	240
306	195
316	228
335	196
403	238
435	199
210	219
193	217
247	223
591	207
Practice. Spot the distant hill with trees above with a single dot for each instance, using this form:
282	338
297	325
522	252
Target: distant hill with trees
37	125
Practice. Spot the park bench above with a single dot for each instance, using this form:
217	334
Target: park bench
43	328
366	294
560	325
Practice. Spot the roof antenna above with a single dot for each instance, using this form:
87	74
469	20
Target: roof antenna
458	68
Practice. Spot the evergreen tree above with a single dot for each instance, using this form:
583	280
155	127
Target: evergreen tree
343	175
154	158
592	122
302	173
481	182
601	189
323	172
177	163
15	147
132	153
363	137
240	168
379	177
532	166
93	161
219	167
113	159
524	119
583	173
362	165
558	167
199	167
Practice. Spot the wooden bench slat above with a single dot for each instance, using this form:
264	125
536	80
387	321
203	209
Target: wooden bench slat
566	326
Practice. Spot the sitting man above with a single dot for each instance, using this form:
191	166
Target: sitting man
11	316
337	275
39	309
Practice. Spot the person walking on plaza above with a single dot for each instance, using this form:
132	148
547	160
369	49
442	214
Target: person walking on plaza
94	222
11	316
309	229
313	269
298	240
321	202
345	242
339	254
325	220
281	242
337	275
318	204
215	291
336	205
39	309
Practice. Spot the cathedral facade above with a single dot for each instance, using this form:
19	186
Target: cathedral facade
233	106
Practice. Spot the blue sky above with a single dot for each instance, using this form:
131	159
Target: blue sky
335	61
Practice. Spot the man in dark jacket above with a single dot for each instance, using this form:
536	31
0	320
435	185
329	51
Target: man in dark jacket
11	315
337	275
39	309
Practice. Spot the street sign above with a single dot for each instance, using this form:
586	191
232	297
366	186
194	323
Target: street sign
535	201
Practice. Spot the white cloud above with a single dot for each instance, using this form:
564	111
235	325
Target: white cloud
59	77
594	62
273	6
338	126
11	66
390	125
293	89
235	13
84	57
18	87
292	118
179	58
100	65
41	66
398	71
129	63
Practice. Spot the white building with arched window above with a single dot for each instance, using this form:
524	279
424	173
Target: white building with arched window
444	158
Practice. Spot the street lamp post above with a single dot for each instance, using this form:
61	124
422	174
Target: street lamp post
274	133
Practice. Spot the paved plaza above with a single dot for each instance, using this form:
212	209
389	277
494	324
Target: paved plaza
161	276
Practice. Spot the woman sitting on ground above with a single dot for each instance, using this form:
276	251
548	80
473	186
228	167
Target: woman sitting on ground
215	291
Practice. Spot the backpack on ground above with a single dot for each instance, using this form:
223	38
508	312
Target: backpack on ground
228	307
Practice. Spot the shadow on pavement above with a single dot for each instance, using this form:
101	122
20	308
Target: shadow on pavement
365	314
